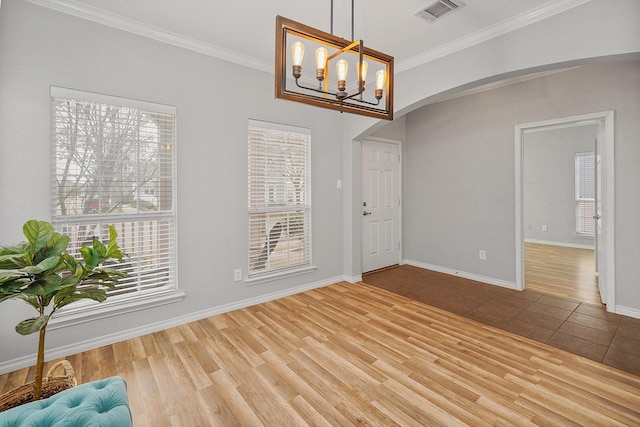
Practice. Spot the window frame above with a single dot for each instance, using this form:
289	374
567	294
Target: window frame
269	193
127	302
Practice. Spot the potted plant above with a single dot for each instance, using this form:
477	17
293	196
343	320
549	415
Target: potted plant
41	273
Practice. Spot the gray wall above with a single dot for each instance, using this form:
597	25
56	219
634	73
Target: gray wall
549	183
459	168
214	100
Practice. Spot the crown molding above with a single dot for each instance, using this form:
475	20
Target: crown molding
529	17
90	13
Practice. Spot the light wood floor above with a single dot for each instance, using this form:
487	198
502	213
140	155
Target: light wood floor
355	355
562	272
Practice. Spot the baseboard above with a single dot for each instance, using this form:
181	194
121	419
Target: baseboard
628	311
470	276
566	245
90	344
353	279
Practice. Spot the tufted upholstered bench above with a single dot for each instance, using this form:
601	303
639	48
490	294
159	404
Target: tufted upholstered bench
99	403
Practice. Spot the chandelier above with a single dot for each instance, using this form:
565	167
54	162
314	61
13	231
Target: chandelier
342	91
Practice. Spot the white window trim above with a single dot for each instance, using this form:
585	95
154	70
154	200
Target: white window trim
112	306
84	310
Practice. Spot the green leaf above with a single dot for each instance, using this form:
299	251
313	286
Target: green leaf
32	300
35	288
62	294
113	251
112	272
69	280
9	277
90	257
92	293
47	264
31	326
12	261
70	262
20	248
51	284
37	233
95	294
55	247
100	249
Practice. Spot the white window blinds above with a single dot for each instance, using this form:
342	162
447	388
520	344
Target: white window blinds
585	193
114	164
279	198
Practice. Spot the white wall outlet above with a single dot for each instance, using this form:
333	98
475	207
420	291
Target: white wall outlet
482	254
544	228
529	227
339	184
237	275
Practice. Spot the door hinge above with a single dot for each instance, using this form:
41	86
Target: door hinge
398	245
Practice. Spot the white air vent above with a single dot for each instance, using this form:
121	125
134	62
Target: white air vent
438	9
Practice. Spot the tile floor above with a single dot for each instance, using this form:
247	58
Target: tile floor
580	328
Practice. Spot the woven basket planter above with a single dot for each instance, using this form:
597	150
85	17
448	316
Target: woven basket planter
52	383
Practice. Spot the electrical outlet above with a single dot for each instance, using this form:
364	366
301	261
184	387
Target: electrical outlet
529	227
482	254
237	275
544	228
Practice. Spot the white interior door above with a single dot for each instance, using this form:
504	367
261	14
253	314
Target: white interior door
380	205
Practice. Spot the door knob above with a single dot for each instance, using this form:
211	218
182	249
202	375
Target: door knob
365	213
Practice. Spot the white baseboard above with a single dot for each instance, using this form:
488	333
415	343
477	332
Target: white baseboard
90	344
354	279
566	245
628	311
470	276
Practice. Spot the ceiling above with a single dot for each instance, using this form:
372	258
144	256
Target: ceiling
244	31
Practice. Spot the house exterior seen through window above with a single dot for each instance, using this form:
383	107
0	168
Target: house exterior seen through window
279	198
114	164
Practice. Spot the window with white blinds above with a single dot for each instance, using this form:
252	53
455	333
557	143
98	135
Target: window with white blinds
114	164
585	193
279	198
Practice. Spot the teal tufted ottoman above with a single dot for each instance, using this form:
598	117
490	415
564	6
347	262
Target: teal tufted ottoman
96	404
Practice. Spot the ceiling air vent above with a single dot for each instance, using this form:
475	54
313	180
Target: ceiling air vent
438	9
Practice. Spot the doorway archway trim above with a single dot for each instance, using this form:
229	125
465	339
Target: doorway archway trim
608	199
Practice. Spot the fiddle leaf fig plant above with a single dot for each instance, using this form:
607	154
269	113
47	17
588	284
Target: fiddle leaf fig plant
41	273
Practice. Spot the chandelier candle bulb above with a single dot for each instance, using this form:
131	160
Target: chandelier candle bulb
363	68
341	69
297	53
321	62
381	78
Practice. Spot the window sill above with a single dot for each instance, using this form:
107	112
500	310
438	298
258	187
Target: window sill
279	275
111	307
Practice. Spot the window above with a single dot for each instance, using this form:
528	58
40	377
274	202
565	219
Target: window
279	199
585	193
114	164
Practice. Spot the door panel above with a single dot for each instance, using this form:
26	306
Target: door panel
381	205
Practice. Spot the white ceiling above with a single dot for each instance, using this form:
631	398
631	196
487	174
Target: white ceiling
244	31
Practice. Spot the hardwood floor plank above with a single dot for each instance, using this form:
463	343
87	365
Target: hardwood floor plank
561	271
352	354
